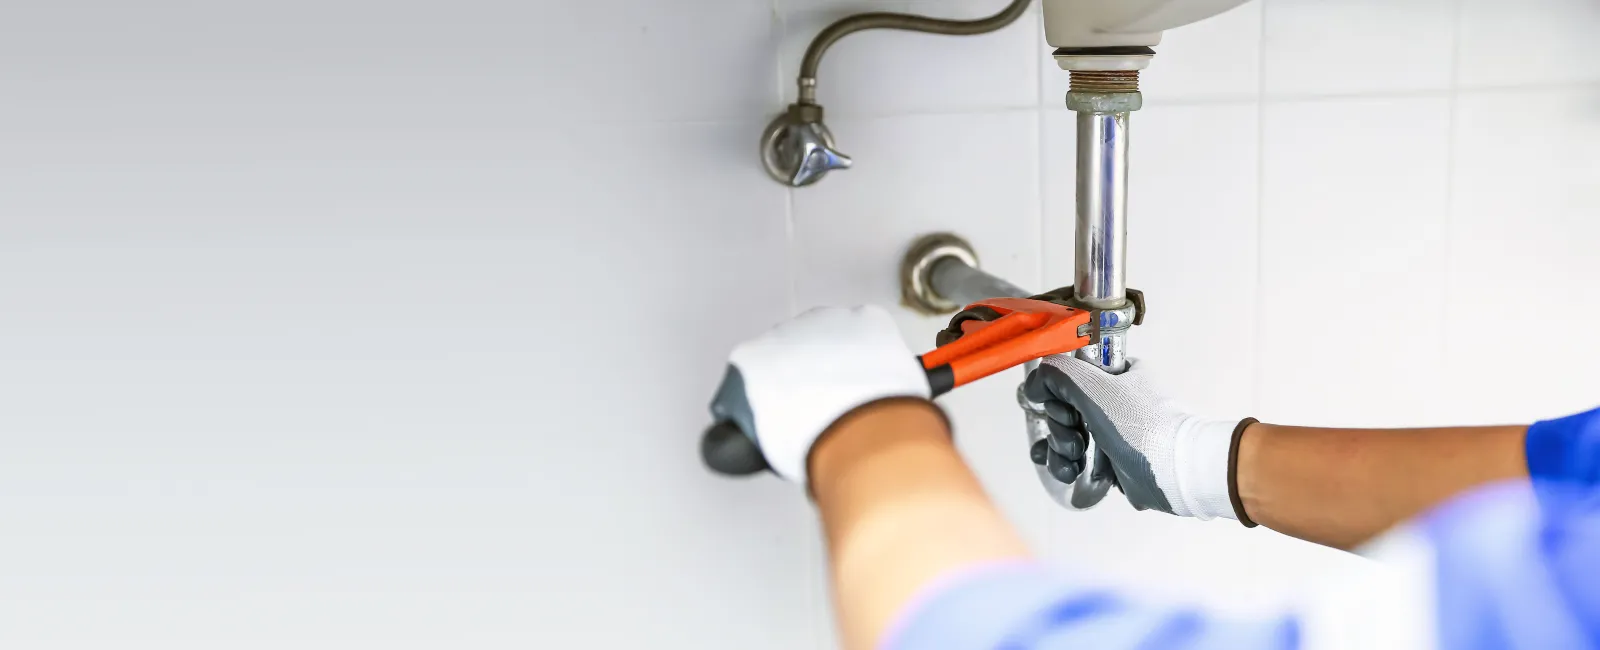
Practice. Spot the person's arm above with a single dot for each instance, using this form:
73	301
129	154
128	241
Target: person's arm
1341	487
1338	487
900	509
835	401
919	556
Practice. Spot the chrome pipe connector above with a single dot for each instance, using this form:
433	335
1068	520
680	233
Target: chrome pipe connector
1111	352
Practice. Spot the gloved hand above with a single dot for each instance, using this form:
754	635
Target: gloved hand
787	386
1163	458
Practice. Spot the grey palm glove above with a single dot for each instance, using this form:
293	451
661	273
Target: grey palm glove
1162	457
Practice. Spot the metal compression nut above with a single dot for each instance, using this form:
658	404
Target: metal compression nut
916	287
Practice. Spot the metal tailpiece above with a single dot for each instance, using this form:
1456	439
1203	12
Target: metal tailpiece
1103	100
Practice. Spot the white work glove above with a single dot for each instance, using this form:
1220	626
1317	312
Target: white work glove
1162	457
786	387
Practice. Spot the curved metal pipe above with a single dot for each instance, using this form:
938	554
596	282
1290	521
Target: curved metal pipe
890	20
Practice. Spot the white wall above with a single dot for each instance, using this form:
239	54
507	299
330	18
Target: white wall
346	322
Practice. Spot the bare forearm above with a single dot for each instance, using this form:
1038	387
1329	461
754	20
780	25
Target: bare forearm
900	508
1340	487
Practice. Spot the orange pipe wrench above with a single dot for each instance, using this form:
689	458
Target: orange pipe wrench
1027	329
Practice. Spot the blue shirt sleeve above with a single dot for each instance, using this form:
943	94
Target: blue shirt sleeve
1026	607
1566	452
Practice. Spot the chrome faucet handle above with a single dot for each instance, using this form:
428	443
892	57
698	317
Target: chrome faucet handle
797	148
817	155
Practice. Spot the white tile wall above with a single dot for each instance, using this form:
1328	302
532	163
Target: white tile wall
1529	43
1522	233
409	311
1358	46
1354	196
355	63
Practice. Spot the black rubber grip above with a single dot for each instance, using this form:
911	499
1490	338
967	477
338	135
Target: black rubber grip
941	380
1128	50
727	451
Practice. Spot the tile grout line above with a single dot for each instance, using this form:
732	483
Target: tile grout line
818	615
1447	255
1040	46
1040	146
780	31
1258	367
844	116
1451	90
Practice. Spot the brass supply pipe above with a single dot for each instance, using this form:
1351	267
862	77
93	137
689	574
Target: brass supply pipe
891	20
